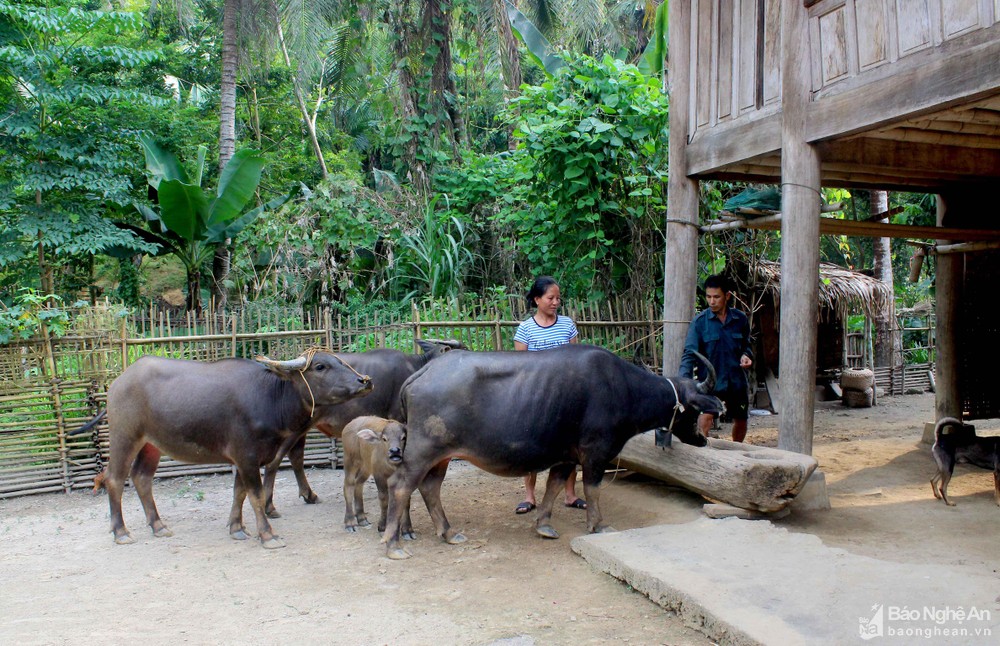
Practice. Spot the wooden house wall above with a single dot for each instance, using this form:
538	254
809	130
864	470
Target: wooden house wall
850	38
735	61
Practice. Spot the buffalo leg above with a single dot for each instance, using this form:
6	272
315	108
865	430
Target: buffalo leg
401	485
383	502
123	451
296	457
354	483
237	530
143	470
593	474
555	483
430	490
249	473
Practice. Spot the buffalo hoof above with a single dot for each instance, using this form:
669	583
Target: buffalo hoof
274	513
398	554
239	535
351	528
311	499
409	536
163	532
364	522
455	539
604	529
124	539
547	531
272	543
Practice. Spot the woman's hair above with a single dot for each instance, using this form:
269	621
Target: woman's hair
538	289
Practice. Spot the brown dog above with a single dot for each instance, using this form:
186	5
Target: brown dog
959	443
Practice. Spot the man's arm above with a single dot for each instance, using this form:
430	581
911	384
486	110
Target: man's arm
691	343
746	358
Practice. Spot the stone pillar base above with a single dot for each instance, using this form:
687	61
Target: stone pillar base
813	496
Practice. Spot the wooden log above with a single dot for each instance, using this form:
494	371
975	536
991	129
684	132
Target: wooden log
742	475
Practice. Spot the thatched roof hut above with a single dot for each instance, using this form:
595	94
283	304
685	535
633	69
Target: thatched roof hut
841	291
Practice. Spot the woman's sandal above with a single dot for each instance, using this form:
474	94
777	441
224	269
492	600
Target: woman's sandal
524	507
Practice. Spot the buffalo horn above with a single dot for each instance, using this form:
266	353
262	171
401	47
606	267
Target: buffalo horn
284	366
706	386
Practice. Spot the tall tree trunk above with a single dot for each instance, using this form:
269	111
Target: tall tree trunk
888	343
227	89
510	61
45	273
227	139
403	36
443	93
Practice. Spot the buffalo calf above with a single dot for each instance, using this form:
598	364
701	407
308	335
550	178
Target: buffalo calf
373	446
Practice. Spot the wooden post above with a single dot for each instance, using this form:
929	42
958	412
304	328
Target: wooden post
124	341
232	335
327	327
800	207
680	269
947	397
415	314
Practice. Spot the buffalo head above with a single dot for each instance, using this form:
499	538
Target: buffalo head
323	377
435	347
393	435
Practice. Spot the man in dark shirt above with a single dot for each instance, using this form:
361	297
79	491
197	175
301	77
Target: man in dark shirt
723	335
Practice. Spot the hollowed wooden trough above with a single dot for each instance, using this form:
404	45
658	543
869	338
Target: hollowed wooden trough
742	475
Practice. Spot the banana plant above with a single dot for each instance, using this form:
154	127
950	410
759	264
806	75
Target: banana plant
654	59
537	45
189	223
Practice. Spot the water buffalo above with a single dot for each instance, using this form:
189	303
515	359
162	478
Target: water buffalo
373	446
513	413
388	370
248	413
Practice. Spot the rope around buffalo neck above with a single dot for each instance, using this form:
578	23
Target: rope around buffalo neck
678	406
310	353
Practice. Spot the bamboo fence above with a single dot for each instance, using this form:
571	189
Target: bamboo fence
51	386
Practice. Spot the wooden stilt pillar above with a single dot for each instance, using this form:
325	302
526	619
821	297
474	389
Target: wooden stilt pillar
948	399
800	207
681	263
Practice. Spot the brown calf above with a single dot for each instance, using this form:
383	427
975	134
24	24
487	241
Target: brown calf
373	446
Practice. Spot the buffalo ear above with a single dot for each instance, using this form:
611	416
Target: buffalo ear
367	435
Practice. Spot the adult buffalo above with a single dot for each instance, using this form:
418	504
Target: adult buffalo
513	413
248	413
388	369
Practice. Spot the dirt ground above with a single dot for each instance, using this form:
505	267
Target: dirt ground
64	581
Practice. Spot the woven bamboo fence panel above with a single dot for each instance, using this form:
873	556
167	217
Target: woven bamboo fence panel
52	386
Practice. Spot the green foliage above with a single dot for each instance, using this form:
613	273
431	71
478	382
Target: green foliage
434	259
595	135
536	44
329	245
62	160
656	53
28	313
190	223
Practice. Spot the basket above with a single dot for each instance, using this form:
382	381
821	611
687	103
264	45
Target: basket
857	379
858	398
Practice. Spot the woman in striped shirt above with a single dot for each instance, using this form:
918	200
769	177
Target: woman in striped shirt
546	329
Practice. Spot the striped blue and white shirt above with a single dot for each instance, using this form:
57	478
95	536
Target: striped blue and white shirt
536	337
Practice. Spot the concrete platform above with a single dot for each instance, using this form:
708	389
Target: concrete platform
751	582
